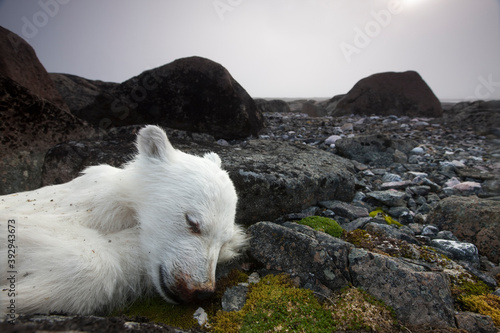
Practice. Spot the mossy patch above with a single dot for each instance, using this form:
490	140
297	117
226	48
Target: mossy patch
488	305
355	309
323	224
157	310
387	217
465	285
276	305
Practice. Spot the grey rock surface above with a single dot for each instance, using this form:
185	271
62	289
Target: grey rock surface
269	183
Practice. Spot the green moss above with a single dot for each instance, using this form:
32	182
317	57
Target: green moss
323	224
386	216
276	305
359	238
466	284
488	305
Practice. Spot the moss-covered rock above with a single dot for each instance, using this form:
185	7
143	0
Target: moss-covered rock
276	305
488	305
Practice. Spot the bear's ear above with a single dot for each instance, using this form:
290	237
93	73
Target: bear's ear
214	158
153	142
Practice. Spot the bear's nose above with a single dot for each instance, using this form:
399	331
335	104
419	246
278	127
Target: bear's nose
203	294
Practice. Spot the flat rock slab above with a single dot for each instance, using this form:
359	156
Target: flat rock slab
314	259
272	178
417	297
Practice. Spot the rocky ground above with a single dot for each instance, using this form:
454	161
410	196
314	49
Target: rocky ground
410	168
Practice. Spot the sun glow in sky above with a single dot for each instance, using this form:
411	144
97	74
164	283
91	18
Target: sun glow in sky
273	48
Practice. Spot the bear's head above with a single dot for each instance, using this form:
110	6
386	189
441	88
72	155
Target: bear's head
186	209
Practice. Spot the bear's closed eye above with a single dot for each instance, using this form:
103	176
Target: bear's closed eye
194	226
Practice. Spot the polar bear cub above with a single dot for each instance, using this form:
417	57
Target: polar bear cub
162	222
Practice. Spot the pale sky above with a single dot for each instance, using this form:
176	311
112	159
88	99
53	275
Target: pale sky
273	48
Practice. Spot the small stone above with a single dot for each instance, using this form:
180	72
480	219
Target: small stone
430	231
222	142
418	151
344	209
331	139
347	127
254	278
391	177
201	316
400	185
390	198
446	234
234	298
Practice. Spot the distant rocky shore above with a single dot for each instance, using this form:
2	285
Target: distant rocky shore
414	183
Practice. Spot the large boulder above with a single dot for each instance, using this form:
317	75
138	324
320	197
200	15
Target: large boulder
33	117
471	219
18	62
78	92
30	125
269	183
390	93
480	116
193	94
275	105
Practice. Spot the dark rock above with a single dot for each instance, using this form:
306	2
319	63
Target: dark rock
78	92
480	116
193	94
375	149
430	231
417	297
475	322
18	62
390	198
473	220
316	259
275	105
400	94
30	125
446	234
269	183
344	209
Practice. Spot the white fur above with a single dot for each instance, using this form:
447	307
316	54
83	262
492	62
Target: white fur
88	246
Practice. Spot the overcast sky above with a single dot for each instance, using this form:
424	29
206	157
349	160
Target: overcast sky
273	48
